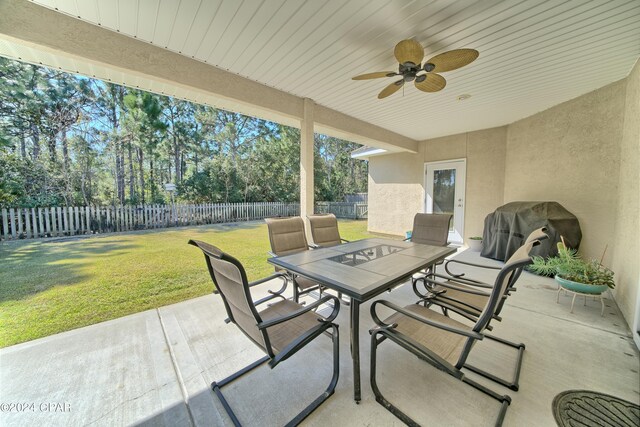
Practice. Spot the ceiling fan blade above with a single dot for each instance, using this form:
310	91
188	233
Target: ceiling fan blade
391	89
452	60
375	75
409	51
433	83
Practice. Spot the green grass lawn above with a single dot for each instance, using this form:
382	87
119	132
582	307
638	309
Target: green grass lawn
49	286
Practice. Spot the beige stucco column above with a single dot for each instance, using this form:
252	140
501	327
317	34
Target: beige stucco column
306	160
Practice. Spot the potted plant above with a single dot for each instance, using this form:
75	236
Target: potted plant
475	243
573	273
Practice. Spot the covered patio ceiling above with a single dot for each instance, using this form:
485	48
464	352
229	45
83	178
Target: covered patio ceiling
533	54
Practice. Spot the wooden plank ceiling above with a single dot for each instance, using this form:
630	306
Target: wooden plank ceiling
534	54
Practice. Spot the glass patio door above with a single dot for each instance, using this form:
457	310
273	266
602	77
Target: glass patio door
444	184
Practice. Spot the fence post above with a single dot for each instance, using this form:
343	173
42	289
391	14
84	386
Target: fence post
47	223
5	224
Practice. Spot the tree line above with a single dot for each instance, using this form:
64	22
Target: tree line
71	140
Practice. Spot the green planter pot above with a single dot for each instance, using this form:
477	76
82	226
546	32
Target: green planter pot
580	287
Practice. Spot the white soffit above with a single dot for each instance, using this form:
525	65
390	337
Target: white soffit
534	54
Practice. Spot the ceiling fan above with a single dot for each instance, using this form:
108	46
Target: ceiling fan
409	54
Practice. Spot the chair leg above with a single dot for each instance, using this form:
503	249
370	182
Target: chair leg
512	384
375	341
217	386
332	385
503	399
296	293
376	391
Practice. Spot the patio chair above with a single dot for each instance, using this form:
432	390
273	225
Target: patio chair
439	340
280	330
325	233
468	297
430	229
287	237
324	230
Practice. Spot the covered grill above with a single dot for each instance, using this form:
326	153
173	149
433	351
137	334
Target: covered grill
506	229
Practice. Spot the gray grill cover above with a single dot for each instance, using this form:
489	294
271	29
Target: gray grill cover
506	229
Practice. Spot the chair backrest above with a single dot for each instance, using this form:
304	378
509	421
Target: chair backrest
230	280
286	235
324	230
514	265
431	229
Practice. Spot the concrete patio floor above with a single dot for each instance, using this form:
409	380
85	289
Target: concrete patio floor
155	368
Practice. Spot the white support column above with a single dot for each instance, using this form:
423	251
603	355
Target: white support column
306	161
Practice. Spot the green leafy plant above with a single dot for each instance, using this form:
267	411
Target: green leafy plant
570	266
475	238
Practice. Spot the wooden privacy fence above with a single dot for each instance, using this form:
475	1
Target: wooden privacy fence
343	209
31	223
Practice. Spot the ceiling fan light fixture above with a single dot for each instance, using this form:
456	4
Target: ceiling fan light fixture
428	67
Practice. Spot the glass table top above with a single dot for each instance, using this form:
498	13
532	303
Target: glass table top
365	255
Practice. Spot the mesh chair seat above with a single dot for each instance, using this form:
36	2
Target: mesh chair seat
284	333
445	344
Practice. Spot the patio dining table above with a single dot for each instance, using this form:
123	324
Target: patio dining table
362	270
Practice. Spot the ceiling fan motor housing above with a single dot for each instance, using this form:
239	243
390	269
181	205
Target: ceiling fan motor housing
408	70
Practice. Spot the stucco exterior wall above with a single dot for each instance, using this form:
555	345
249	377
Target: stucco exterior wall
570	154
626	263
398	193
486	155
396	182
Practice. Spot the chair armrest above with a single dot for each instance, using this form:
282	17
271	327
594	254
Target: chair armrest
462	281
272	294
345	241
448	328
271	254
266	279
471	264
313	246
457	288
336	308
467	314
